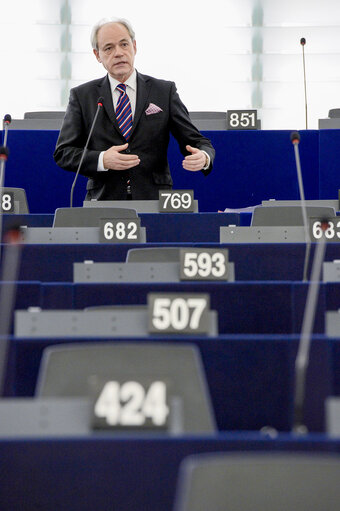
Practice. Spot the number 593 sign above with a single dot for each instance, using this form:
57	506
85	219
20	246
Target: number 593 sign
203	264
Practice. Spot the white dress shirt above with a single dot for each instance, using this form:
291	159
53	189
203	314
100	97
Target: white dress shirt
131	91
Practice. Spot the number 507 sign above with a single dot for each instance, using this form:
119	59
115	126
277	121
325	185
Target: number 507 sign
179	313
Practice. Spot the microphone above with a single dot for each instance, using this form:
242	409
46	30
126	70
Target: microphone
295	139
7	122
303	42
4	152
9	273
302	358
99	106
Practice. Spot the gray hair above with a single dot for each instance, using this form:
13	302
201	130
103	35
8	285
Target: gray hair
105	21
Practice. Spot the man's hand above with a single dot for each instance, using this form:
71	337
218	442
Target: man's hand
195	161
114	159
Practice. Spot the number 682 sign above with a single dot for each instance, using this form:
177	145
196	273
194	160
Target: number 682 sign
124	230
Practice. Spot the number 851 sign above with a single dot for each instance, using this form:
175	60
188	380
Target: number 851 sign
242	119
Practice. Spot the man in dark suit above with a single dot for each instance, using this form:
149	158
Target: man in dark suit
127	152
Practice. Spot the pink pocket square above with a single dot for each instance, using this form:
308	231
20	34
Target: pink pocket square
153	109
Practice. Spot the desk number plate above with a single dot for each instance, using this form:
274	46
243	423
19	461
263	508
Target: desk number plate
203	264
131	404
123	230
7	202
242	119
176	201
178	313
330	232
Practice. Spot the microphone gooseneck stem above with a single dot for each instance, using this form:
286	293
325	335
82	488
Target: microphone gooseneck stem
6	134
3	159
9	274
303	208
302	358
83	153
2	172
305	84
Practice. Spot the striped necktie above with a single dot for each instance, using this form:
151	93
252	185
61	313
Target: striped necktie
123	112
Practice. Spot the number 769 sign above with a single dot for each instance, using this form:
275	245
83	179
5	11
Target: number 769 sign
175	201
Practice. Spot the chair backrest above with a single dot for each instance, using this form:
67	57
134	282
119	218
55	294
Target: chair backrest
259	482
20	199
153	255
65	371
208	115
88	217
287	215
33	123
209	120
334	113
141	206
50	114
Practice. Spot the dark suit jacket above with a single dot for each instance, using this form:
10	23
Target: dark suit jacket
149	138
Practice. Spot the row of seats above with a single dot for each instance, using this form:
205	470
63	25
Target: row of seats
240	382
203	120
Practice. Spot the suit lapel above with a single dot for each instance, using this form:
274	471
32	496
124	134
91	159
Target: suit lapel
105	92
143	91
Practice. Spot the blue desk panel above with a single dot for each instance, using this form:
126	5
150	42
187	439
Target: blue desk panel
329	164
245	307
242	307
250	378
54	263
120	474
250	166
160	228
27	294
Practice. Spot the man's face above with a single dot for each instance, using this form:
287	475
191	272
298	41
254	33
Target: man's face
116	50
